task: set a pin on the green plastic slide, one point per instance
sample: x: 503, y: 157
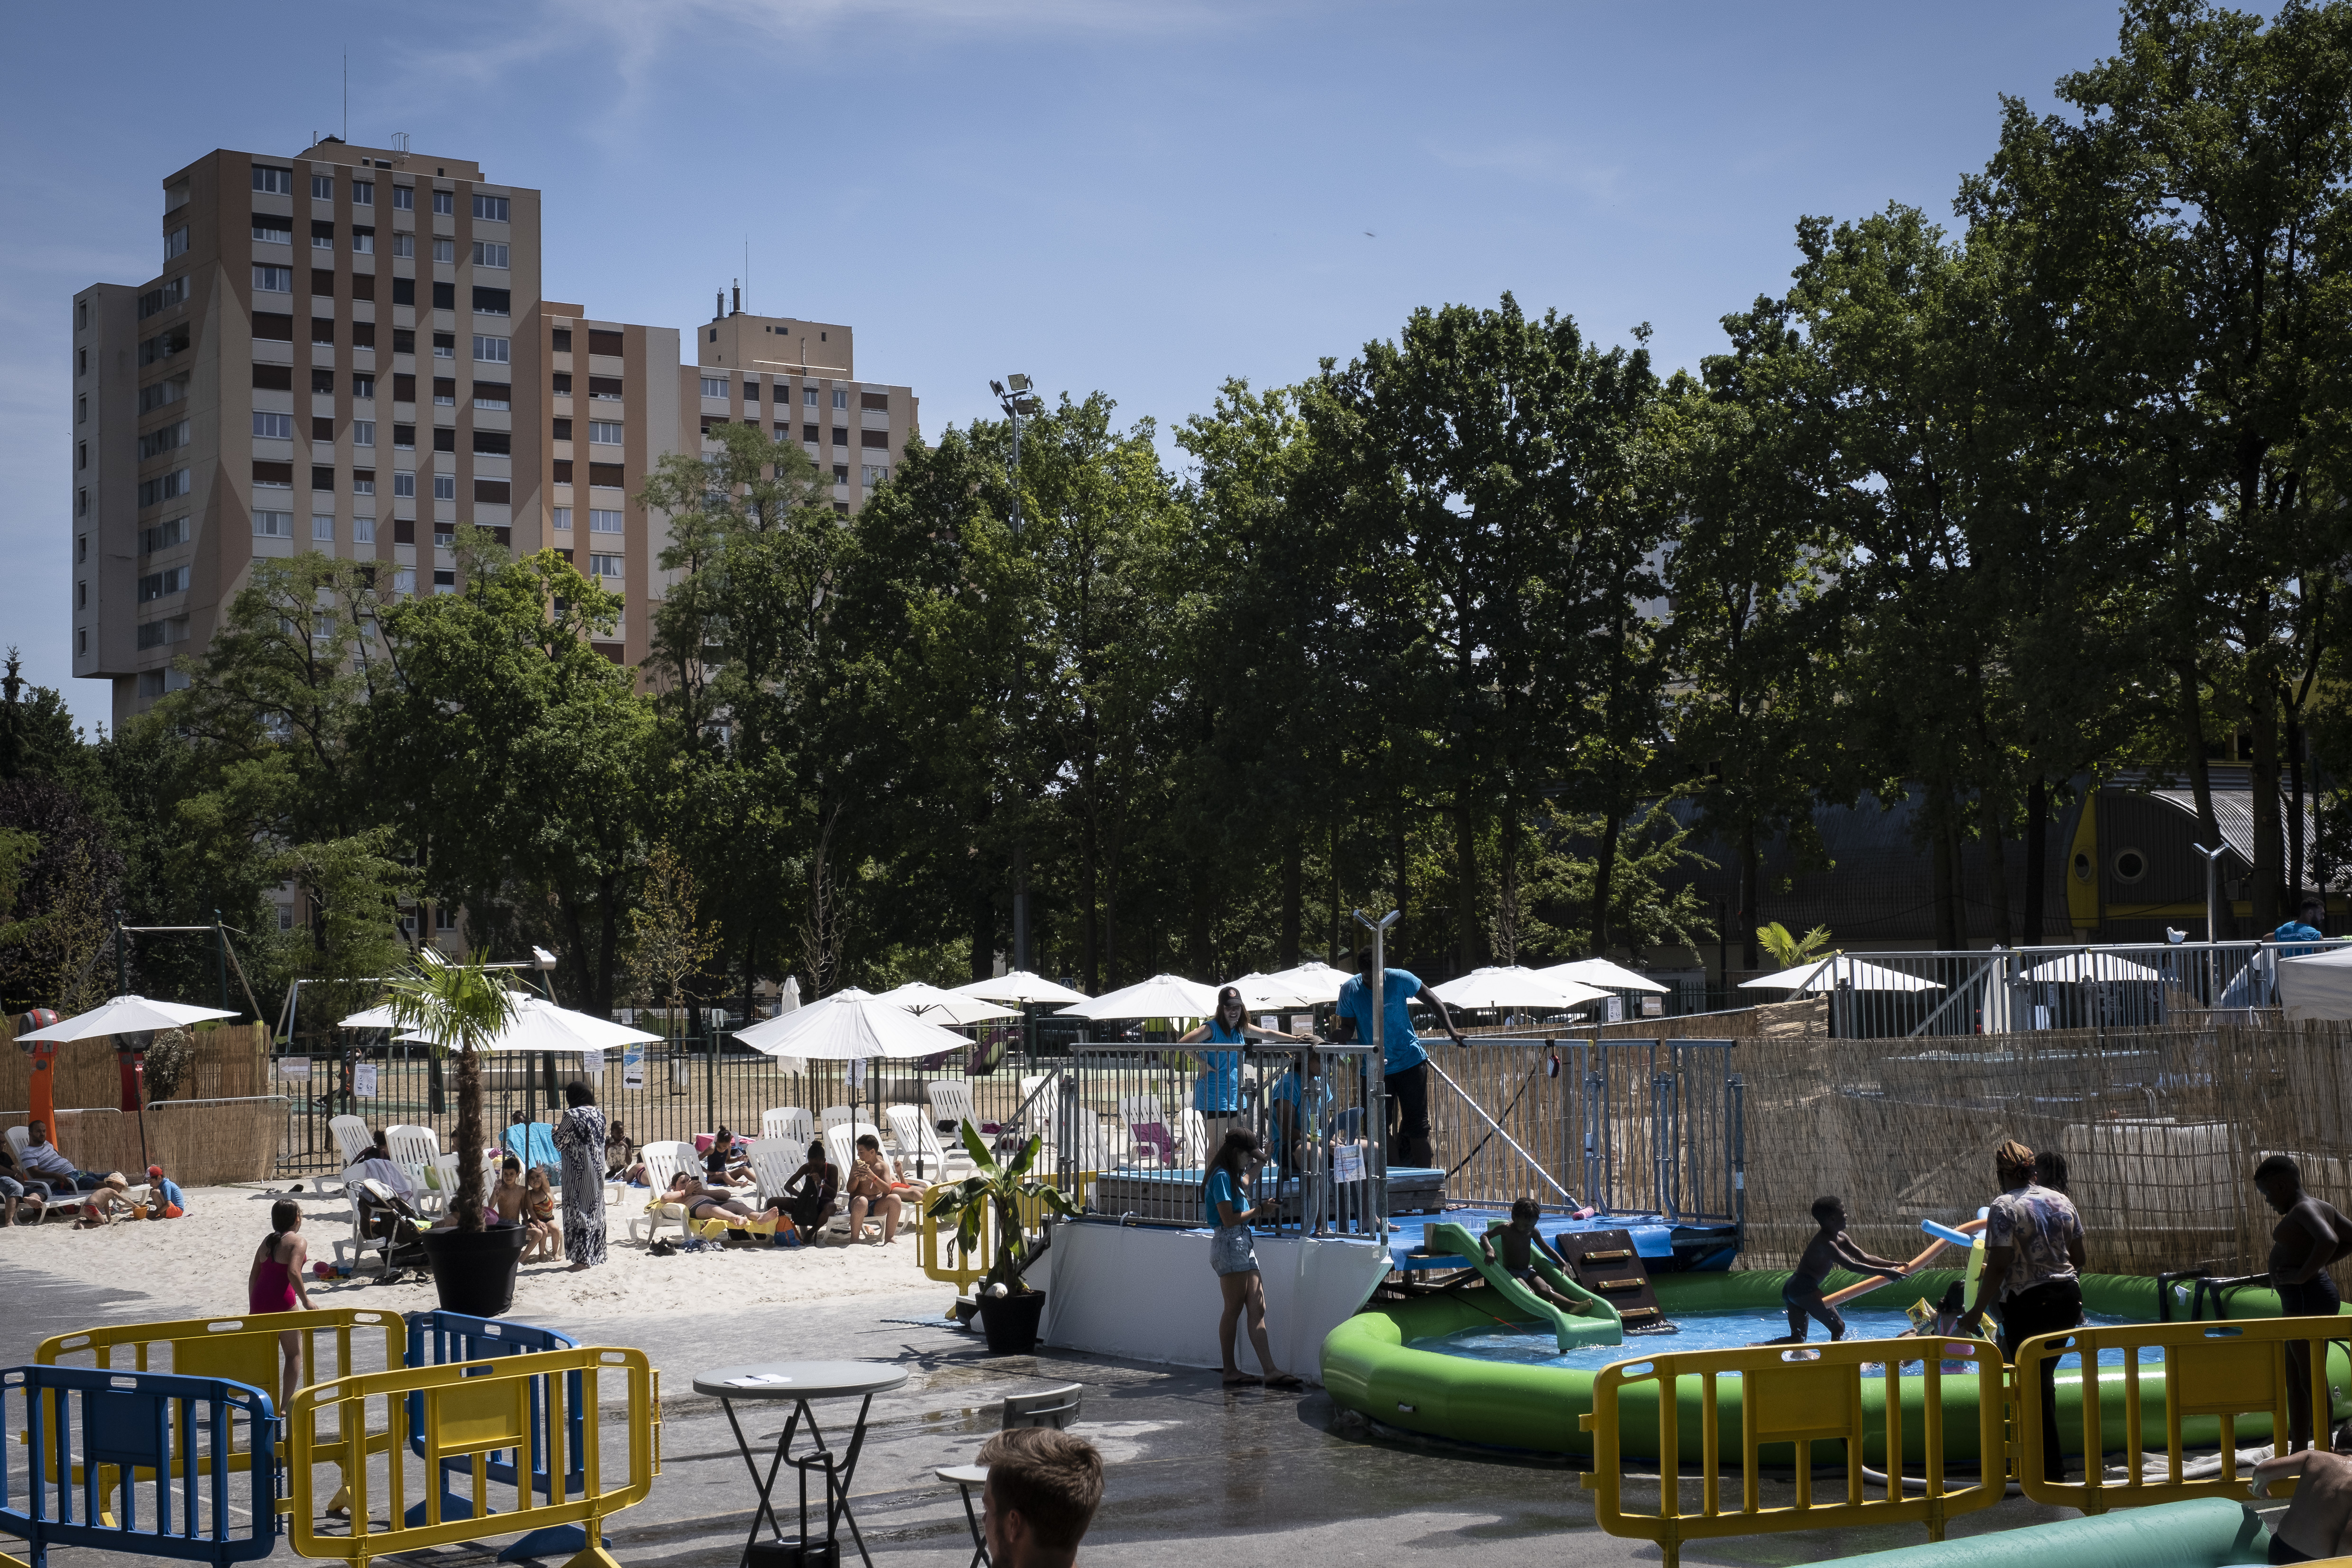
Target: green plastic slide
x: 1601, y: 1326
x: 2203, y: 1532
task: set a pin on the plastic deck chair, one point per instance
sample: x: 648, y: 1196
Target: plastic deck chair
x: 662, y: 1163
x: 790, y: 1124
x: 920, y: 1146
x: 950, y: 1103
x: 834, y: 1116
x: 417, y: 1149
x: 1055, y: 1408
x: 841, y: 1148
x: 353, y: 1143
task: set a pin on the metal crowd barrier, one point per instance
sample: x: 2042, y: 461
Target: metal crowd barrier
x: 2212, y: 1375
x: 439, y: 1339
x: 172, y: 1440
x: 241, y: 1350
x: 460, y: 1415
x: 1790, y: 1398
x: 936, y: 1252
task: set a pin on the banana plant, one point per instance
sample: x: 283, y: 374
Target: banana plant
x: 999, y: 1190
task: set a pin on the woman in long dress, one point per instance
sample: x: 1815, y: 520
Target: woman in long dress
x: 580, y: 1139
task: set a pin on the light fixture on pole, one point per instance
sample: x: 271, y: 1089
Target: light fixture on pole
x: 1013, y: 393
x: 2212, y: 890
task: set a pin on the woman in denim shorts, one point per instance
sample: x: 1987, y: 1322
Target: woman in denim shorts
x: 1234, y: 1255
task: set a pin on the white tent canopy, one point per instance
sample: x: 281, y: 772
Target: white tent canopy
x: 850, y: 1025
x: 1512, y: 987
x: 538, y: 1025
x: 2078, y: 967
x: 1020, y: 988
x: 125, y: 1015
x: 1829, y: 973
x: 2317, y: 985
x: 1601, y: 971
x: 1161, y: 996
x: 930, y: 1003
x: 1314, y: 984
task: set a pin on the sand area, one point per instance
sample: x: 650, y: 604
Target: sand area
x: 198, y: 1265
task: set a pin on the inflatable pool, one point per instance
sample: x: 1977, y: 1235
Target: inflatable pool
x: 1372, y: 1365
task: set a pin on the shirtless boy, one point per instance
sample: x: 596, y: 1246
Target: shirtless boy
x: 2310, y: 1236
x: 1829, y: 1248
x: 2318, y: 1522
x: 1520, y: 1242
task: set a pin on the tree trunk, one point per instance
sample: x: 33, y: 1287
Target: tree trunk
x: 2037, y: 846
x: 1751, y: 873
x: 1197, y: 922
x: 983, y: 933
x: 1604, y: 880
x: 1396, y: 858
x: 1959, y: 883
x: 1294, y: 904
x: 1946, y: 932
x: 1090, y: 915
x: 1338, y: 898
x: 2297, y: 867
x: 1990, y: 813
x: 1466, y: 934
x: 1506, y: 899
x: 468, y: 1199
x: 2270, y: 854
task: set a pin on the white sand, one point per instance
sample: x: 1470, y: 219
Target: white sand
x: 196, y: 1266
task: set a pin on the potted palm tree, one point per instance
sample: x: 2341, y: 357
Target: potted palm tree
x: 1009, y: 1310
x: 459, y: 1007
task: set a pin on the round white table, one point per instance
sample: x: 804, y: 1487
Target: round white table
x: 804, y: 1382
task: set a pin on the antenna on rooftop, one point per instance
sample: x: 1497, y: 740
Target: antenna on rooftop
x: 347, y: 96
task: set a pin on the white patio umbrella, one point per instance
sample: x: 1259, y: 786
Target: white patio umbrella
x: 1020, y: 988
x: 1315, y: 983
x: 1265, y: 991
x: 2076, y: 967
x: 1828, y: 973
x: 1512, y: 987
x: 934, y: 1005
x: 538, y: 1025
x: 1601, y: 971
x: 126, y: 1016
x: 2317, y: 985
x: 850, y: 1025
x: 1161, y: 996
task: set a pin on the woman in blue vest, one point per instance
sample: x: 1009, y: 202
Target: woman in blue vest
x: 1217, y: 1093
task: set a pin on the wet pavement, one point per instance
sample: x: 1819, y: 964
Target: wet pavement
x: 1271, y: 1478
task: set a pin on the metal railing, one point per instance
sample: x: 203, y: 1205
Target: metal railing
x: 1996, y: 990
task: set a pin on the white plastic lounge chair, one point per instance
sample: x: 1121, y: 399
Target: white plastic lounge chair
x: 923, y: 1156
x: 834, y: 1116
x: 788, y: 1124
x: 662, y: 1163
x: 417, y: 1149
x: 352, y: 1143
x: 841, y: 1148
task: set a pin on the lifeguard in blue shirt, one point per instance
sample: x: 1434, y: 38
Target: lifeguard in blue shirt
x: 1404, y: 1063
x: 1217, y: 1092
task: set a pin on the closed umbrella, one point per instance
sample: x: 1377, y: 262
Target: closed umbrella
x: 1601, y: 971
x: 938, y: 1006
x: 1829, y: 973
x: 1161, y: 996
x: 1512, y: 987
x: 1020, y: 988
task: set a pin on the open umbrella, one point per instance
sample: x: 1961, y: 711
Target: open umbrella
x: 1512, y: 987
x: 937, y: 1006
x: 1262, y: 990
x: 1021, y: 988
x: 1601, y: 973
x: 125, y: 1015
x: 850, y: 1025
x: 1161, y: 996
x: 1315, y: 983
x: 2078, y: 967
x: 538, y: 1025
x: 1829, y: 973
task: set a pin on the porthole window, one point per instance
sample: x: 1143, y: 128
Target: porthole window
x: 2081, y: 868
x: 2130, y: 865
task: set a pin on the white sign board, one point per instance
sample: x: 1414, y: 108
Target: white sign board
x: 1348, y: 1162
x: 592, y: 1063
x: 633, y: 1067
x: 295, y: 1068
x: 1616, y: 1013
x: 363, y: 1081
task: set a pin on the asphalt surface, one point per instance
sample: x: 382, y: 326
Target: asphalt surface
x: 1270, y: 1479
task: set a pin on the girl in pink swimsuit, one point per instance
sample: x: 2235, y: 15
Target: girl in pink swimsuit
x: 274, y: 1285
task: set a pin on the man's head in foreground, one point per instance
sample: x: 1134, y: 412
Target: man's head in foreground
x: 1043, y: 1488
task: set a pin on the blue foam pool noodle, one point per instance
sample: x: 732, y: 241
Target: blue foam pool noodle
x: 1946, y: 1233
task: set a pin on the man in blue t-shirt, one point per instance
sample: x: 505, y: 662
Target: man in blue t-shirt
x: 2303, y: 930
x: 1404, y: 1063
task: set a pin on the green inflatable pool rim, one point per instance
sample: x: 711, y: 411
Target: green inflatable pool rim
x: 1370, y: 1366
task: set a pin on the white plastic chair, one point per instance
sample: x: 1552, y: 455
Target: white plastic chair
x: 353, y: 1142
x: 1149, y: 1139
x: 773, y: 1160
x: 1192, y: 1140
x: 662, y: 1163
x: 350, y: 1249
x: 417, y: 1149
x: 950, y: 1101
x: 921, y: 1156
x: 841, y: 1148
x: 834, y: 1116
x: 789, y: 1125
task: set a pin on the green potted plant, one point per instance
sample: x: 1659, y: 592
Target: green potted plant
x: 1010, y: 1312
x: 459, y: 1007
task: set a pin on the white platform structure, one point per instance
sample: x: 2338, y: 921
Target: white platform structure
x: 1148, y: 1294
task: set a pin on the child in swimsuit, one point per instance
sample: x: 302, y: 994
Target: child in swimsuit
x: 274, y: 1284
x: 539, y: 1214
x: 1520, y: 1244
x: 1829, y: 1248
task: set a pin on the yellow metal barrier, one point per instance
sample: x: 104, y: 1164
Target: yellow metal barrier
x: 2212, y: 1374
x: 244, y: 1349
x: 935, y: 1249
x: 471, y: 1410
x: 1790, y: 1397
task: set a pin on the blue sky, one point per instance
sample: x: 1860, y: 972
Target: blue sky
x: 1140, y: 198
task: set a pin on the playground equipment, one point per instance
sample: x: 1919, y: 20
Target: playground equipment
x: 1601, y: 1326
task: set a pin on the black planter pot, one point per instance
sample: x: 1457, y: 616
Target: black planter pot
x: 475, y: 1274
x: 1010, y: 1322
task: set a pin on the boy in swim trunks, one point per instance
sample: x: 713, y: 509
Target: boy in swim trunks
x: 1520, y: 1242
x: 2318, y: 1522
x: 1829, y: 1248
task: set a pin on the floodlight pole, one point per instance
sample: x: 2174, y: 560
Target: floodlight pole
x: 1376, y: 1086
x: 2212, y: 890
x: 1013, y: 396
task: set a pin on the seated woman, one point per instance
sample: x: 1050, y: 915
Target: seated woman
x: 19, y: 1186
x: 813, y: 1193
x: 700, y: 1202
x: 725, y: 1166
x: 874, y: 1188
x: 621, y: 1163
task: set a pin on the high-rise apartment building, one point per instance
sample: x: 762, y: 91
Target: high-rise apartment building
x: 348, y: 351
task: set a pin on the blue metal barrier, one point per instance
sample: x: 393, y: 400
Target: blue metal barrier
x: 439, y: 1339
x: 90, y: 1429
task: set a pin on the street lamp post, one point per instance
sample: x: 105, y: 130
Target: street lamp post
x: 1015, y: 395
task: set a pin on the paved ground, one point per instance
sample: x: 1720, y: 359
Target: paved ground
x: 1272, y: 1479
